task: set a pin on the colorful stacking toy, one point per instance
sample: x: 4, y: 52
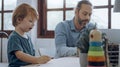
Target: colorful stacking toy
x: 96, y: 57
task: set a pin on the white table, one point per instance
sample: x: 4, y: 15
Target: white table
x: 60, y: 62
x: 3, y: 64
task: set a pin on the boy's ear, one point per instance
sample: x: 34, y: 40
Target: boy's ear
x: 19, y: 20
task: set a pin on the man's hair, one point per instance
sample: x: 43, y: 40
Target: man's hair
x: 22, y: 11
x: 83, y: 2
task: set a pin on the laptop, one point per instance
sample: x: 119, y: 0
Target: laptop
x: 112, y: 34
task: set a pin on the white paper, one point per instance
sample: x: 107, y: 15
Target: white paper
x: 60, y: 62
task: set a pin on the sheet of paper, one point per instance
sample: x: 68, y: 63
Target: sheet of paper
x: 3, y: 64
x: 61, y: 62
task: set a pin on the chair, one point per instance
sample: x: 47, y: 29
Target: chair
x: 111, y: 53
x: 3, y: 36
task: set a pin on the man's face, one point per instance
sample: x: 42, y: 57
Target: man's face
x: 84, y: 14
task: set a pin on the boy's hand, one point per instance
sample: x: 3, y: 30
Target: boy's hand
x: 43, y: 59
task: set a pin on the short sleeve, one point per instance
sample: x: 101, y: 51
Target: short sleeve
x: 14, y: 45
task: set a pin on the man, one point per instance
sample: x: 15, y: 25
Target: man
x: 68, y: 33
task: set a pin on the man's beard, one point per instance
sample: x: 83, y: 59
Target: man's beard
x: 81, y: 21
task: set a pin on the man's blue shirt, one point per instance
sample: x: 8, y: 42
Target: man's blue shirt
x: 66, y: 38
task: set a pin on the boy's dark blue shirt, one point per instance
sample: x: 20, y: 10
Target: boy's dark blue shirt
x: 18, y: 43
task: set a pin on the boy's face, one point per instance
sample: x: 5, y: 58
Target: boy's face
x: 27, y: 23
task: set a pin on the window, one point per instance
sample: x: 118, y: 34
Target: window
x: 52, y: 13
x: 103, y: 14
x: 6, y: 15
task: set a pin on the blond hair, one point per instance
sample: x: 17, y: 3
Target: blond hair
x: 22, y: 11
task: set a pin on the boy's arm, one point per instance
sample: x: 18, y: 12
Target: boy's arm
x: 31, y: 59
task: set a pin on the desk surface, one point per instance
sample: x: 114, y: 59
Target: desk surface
x: 61, y: 62
x: 3, y: 64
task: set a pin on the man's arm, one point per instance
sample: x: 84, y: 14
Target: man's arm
x: 60, y: 41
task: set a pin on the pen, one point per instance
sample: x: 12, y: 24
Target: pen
x: 39, y: 52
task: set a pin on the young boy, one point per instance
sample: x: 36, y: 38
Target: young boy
x: 20, y: 48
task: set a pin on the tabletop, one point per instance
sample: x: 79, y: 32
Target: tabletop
x: 3, y: 64
x: 60, y: 62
